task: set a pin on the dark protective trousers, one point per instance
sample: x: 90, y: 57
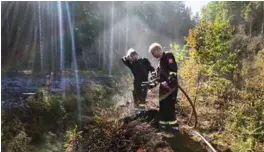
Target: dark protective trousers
x: 139, y: 94
x: 167, y: 108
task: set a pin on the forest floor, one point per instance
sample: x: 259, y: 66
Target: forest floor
x: 145, y: 124
x: 137, y: 130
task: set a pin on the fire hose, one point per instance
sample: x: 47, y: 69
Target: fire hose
x: 155, y: 81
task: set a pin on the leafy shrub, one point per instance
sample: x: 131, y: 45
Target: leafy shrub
x: 20, y: 143
x: 73, y: 139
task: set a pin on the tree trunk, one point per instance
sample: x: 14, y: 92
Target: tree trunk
x: 126, y: 27
x: 119, y: 36
x: 99, y: 51
x: 262, y: 26
x: 104, y: 41
x: 36, y: 66
x: 111, y: 48
x: 52, y: 40
x: 250, y: 27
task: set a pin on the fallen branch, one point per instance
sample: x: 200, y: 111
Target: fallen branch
x: 194, y: 132
x: 208, y: 144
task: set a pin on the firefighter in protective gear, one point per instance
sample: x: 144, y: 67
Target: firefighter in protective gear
x: 168, y: 86
x: 140, y: 67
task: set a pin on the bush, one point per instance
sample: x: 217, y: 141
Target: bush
x: 45, y: 113
x: 20, y: 143
x: 73, y: 139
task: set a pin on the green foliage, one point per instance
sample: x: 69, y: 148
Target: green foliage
x: 250, y: 10
x: 247, y: 14
x: 222, y: 62
x: 253, y: 72
x: 179, y: 54
x: 215, y: 49
x: 72, y: 140
x: 210, y: 42
x: 245, y: 122
x: 20, y: 143
x: 47, y: 109
x: 96, y: 92
x: 216, y: 89
x: 46, y: 116
x: 44, y: 113
x: 10, y: 131
x: 212, y: 11
x: 246, y: 119
x: 52, y: 143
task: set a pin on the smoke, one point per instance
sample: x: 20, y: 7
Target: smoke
x: 139, y: 34
x: 104, y: 31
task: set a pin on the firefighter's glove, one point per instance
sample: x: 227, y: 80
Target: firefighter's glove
x: 153, y: 75
x: 172, y: 80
